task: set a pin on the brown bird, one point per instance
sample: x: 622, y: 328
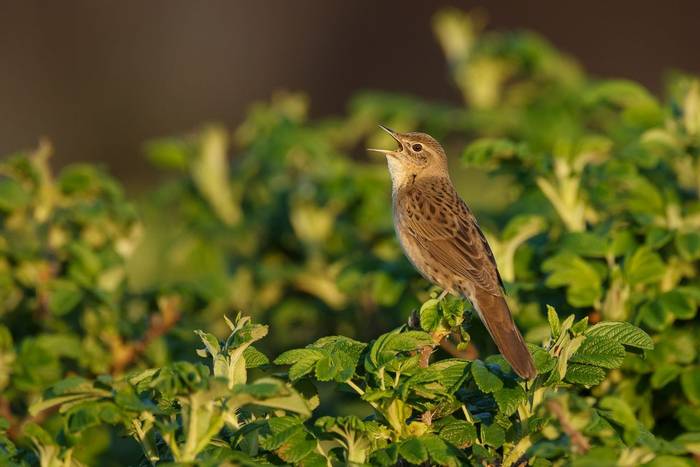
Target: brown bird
x: 442, y: 238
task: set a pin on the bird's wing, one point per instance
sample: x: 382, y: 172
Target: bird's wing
x: 435, y: 216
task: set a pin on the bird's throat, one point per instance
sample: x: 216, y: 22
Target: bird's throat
x: 400, y: 175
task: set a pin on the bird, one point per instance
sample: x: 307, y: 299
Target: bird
x: 442, y: 239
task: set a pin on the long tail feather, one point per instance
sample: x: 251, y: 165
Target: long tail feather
x: 495, y: 314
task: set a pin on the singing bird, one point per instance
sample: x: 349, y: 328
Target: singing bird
x: 442, y: 238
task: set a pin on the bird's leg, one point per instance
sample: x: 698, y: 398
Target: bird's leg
x: 442, y: 295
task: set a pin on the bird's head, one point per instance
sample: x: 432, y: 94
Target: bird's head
x: 418, y: 155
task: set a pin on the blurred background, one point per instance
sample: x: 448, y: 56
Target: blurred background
x: 100, y: 78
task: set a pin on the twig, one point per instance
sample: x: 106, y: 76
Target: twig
x: 126, y: 353
x: 579, y: 441
x: 17, y: 424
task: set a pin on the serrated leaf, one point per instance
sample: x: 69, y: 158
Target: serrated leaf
x: 293, y: 356
x: 484, y: 379
x: 460, y: 433
x: 599, y: 351
x: 625, y: 333
x: 509, y: 399
x: 254, y: 358
x: 439, y: 452
x: 303, y: 361
x: 408, y: 341
x: 413, y: 451
x: 326, y: 368
x: 585, y: 375
x: 493, y: 435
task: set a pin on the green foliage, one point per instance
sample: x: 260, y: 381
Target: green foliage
x: 442, y: 412
x: 588, y: 193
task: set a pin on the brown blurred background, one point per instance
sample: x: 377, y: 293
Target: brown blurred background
x: 100, y: 78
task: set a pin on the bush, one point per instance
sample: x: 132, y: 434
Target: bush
x: 587, y: 190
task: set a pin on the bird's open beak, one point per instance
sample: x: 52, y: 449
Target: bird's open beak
x: 387, y: 151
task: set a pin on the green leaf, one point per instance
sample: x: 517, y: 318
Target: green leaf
x: 582, y: 281
x: 599, y: 351
x: 644, y: 267
x: 211, y: 343
x: 413, y: 451
x: 487, y: 151
x: 12, y: 195
x: 509, y: 398
x: 544, y: 361
x: 493, y: 435
x: 429, y: 315
x: 303, y: 361
x: 679, y: 304
x: 326, y: 368
x: 618, y: 411
x: 83, y: 417
x: 408, y: 341
x: 688, y: 245
x: 585, y: 244
x: 453, y: 373
x: 690, y: 382
x: 64, y: 296
x: 625, y: 333
x: 439, y: 452
x: 664, y: 375
x: 388, y: 456
x: 487, y: 381
x: 254, y: 358
x: 585, y: 375
x: 670, y: 461
x: 656, y: 316
x: 554, y: 323
x: 580, y: 326
x: 460, y: 433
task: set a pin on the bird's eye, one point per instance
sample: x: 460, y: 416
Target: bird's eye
x: 417, y: 147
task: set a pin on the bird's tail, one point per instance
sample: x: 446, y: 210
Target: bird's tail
x: 495, y: 315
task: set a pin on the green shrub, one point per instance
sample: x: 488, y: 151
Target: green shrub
x: 587, y: 190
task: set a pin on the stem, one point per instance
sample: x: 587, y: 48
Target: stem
x: 148, y: 449
x: 517, y: 451
x: 579, y: 441
x: 357, y: 388
x: 361, y: 392
x: 467, y: 415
